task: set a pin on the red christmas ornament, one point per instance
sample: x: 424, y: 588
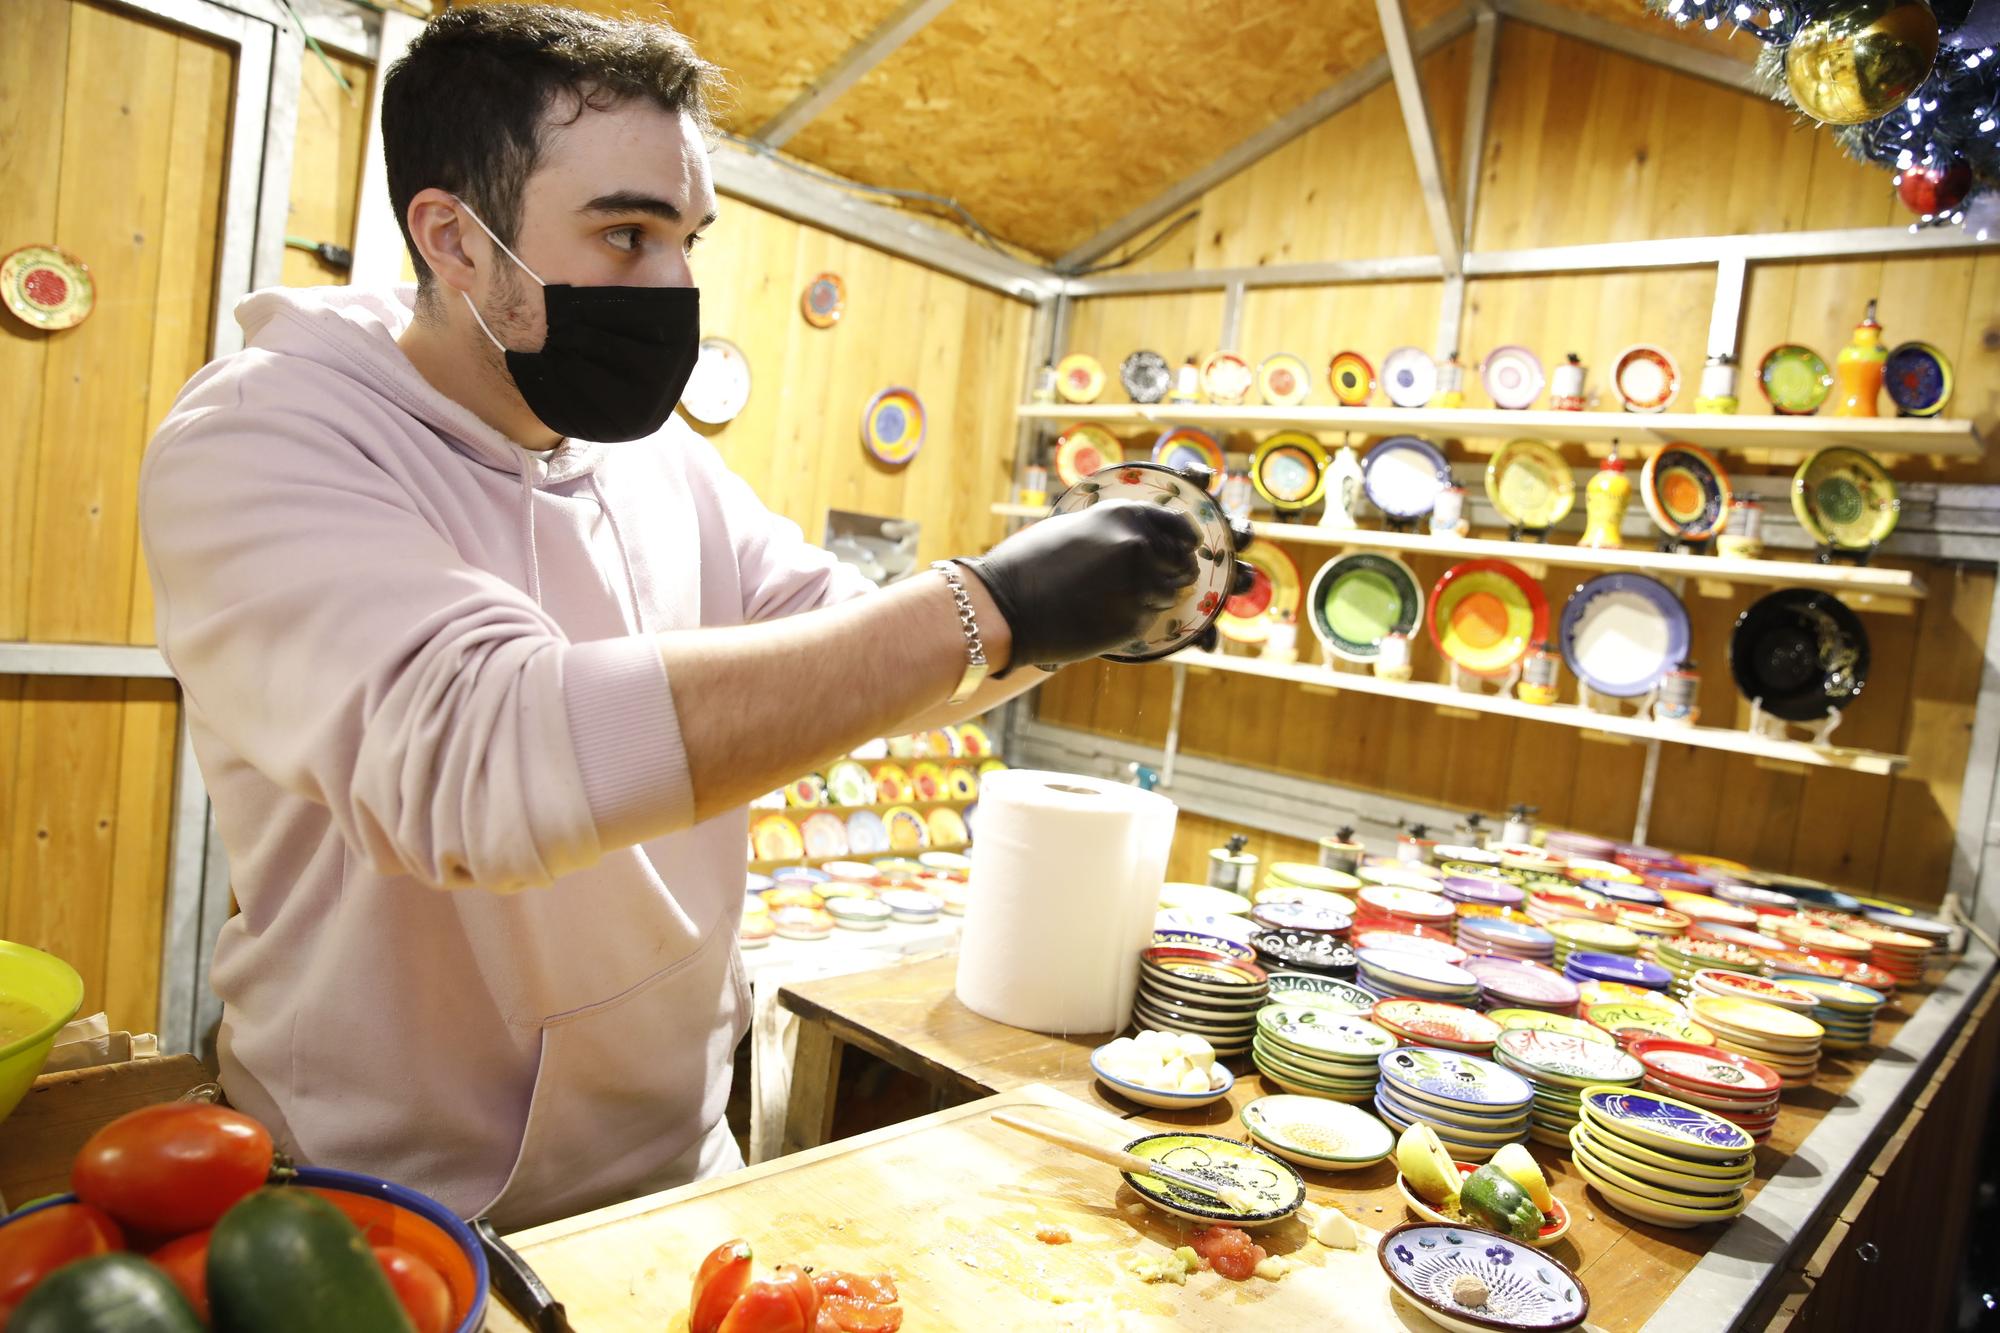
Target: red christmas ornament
x: 1928, y: 191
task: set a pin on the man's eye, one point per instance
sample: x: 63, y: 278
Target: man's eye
x: 693, y: 240
x: 628, y: 238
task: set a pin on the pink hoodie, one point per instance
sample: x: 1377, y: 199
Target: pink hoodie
x: 415, y: 659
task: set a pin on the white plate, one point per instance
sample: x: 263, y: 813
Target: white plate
x: 1403, y: 476
x: 1409, y: 377
x: 1202, y: 898
x: 1513, y: 377
x: 720, y: 385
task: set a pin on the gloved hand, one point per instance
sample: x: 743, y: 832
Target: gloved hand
x: 1242, y: 578
x: 1078, y: 585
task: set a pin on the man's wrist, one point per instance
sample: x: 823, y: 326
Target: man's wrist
x: 995, y: 635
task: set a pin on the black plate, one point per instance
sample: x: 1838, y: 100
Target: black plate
x: 1304, y: 951
x: 1146, y: 376
x: 1802, y: 652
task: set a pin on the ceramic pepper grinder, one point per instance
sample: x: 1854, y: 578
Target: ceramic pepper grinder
x: 1187, y: 384
x: 1448, y: 514
x: 1566, y: 385
x: 1858, y: 373
x: 1451, y: 383
x: 1540, y: 675
x: 1343, y: 490
x: 1045, y: 383
x: 1718, y: 386
x: 1604, y: 499
x: 1680, y: 696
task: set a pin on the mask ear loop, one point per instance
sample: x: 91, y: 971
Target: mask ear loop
x: 469, y: 304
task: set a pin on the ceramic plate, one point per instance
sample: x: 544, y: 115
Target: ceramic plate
x: 1647, y: 1020
x: 1289, y: 470
x: 1424, y: 1020
x: 1565, y: 1060
x: 1185, y: 446
x: 1409, y: 377
x: 1800, y: 651
x: 776, y: 838
x: 1085, y: 449
x: 1513, y: 377
x: 1276, y: 1185
x: 1201, y: 601
x: 1665, y: 1124
x: 1159, y: 1098
x: 1794, y: 379
x: 1541, y: 1020
x: 823, y: 300
x: 1079, y: 378
x: 893, y: 426
x: 1312, y: 1131
x: 1325, y: 1033
x: 825, y: 834
x: 1686, y: 491
x: 1646, y: 378
x: 1844, y: 499
x: 1530, y: 485
x: 1203, y: 898
x: 1756, y: 1018
x: 1403, y: 475
x: 892, y: 784
x: 947, y: 828
x: 1283, y: 380
x: 1918, y: 379
x: 1353, y: 379
x: 1174, y: 938
x: 848, y: 783
x: 1649, y: 1210
x: 867, y: 835
x: 1622, y: 633
x: 1273, y: 595
x: 907, y: 830
x: 1359, y: 598
x: 1524, y: 1289
x: 1146, y: 377
x: 1413, y: 969
x: 1456, y: 1078
x: 1225, y: 378
x: 1485, y: 614
x: 1325, y: 993
x: 961, y: 782
x: 1713, y: 1071
x: 1554, y: 1228
x: 720, y: 386
x: 1310, y: 875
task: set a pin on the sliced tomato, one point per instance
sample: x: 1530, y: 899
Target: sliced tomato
x: 1229, y: 1251
x: 848, y: 1314
x: 172, y: 1168
x: 803, y: 1291
x: 722, y: 1277
x: 185, y: 1260
x: 35, y: 1245
x: 875, y: 1289
x: 423, y: 1294
x: 768, y: 1305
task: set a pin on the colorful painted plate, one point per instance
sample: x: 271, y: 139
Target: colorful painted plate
x: 1359, y: 598
x: 1486, y: 614
x: 1276, y: 1186
x: 867, y: 835
x: 1665, y: 1124
x: 1524, y: 1289
x: 825, y: 834
x: 1084, y: 450
x: 1454, y: 1078
x: 961, y: 782
x: 1642, y: 1019
x: 848, y: 782
x: 1409, y: 377
x: 1289, y: 470
x: 1731, y: 1014
x: 1431, y: 1020
x: 776, y: 838
x: 1570, y: 1062
x: 720, y: 386
x: 1794, y: 379
x: 1801, y: 652
x: 973, y: 742
x: 1195, y: 939
x: 1185, y: 446
x: 1513, y: 377
x: 1329, y: 993
x: 1713, y: 1071
x: 1273, y: 595
x: 1530, y: 485
x: 1079, y: 378
x: 1225, y: 378
x: 947, y: 828
x: 47, y: 287
x: 893, y: 426
x: 1201, y: 601
x: 823, y: 300
x: 1622, y: 633
x: 1283, y: 380
x: 1352, y: 378
x: 1918, y: 379
x: 927, y: 779
x: 1686, y: 491
x: 1844, y: 499
x: 907, y: 830
x: 1541, y: 1020
x: 1324, y: 1033
x: 1146, y: 376
x: 892, y: 784
x: 1646, y: 378
x: 1314, y: 1132
x: 1403, y: 475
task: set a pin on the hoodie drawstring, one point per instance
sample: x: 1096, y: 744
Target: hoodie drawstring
x: 624, y: 556
x: 529, y: 461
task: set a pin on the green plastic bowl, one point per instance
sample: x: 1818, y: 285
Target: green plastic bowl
x: 48, y: 985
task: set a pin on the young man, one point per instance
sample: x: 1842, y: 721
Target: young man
x: 457, y: 605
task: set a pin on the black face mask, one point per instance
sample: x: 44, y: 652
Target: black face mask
x: 615, y: 360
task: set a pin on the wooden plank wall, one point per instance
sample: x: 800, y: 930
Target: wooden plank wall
x: 1584, y: 145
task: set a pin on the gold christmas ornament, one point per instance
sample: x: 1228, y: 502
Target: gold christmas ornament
x: 1856, y: 61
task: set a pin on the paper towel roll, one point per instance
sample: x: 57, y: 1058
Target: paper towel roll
x: 1066, y: 876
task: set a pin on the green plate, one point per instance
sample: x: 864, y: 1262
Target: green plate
x: 1530, y: 484
x: 1844, y: 499
x: 1795, y: 379
x: 1358, y: 599
x: 1324, y: 1033
x: 1314, y: 1132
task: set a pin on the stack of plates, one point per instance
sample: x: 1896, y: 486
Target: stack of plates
x: 1712, y: 911
x: 1661, y: 1159
x: 1550, y: 903
x: 1592, y: 936
x: 1315, y: 951
x: 1541, y: 1020
x: 1314, y: 915
x: 1616, y: 967
x: 1319, y: 992
x: 1755, y: 897
x: 1617, y: 992
x: 1634, y: 1020
x: 1429, y: 943
x: 1485, y: 890
x: 1307, y: 875
x: 1505, y: 939
x: 1338, y: 904
x: 1515, y: 983
x: 1720, y: 981
x: 1475, y: 1106
x: 1653, y: 924
x: 801, y: 923
x: 1939, y: 933
x: 1319, y: 1051
x: 1625, y: 894
x: 1228, y: 927
x: 1586, y: 869
x: 1398, y: 907
x: 1806, y: 937
x: 1897, y: 952
x: 1314, y: 1132
x: 1735, y: 1087
x: 1646, y: 860
x: 1202, y: 898
x: 1450, y: 1027
x: 1805, y: 964
x: 1559, y: 1068
x: 1741, y: 936
x: 1869, y: 975
x: 1846, y: 1010
x: 858, y: 913
x: 1788, y: 1042
x: 1572, y: 846
x: 914, y: 906
x: 1684, y: 958
x: 1392, y: 974
x: 1203, y: 992
x: 1678, y: 881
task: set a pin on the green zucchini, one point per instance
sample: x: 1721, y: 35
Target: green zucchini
x: 1491, y: 1198
x: 287, y: 1261
x: 107, y: 1293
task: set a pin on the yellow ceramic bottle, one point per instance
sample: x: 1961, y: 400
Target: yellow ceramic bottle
x: 1858, y: 374
x: 1604, y: 500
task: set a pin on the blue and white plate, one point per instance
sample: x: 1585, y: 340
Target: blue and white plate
x: 1300, y: 916
x: 1622, y: 633
x: 1426, y: 1073
x: 867, y: 835
x: 1918, y: 379
x: 1320, y: 992
x: 1524, y: 1288
x: 1409, y: 376
x: 1665, y: 1125
x: 1195, y: 939
x: 1427, y: 974
x: 1236, y: 928
x: 1403, y: 475
x: 1587, y: 966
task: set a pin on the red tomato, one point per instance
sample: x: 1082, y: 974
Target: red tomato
x: 879, y: 1289
x: 173, y: 1168
x: 1229, y: 1251
x: 770, y: 1305
x: 717, y: 1283
x: 803, y: 1292
x: 423, y: 1293
x: 185, y: 1260
x: 846, y: 1314
x: 33, y: 1246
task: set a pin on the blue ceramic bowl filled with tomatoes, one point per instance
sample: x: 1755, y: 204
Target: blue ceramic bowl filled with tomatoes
x: 179, y: 1223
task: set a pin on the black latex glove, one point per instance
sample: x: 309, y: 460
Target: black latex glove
x: 1078, y: 585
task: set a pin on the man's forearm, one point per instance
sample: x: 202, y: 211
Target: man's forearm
x: 989, y: 696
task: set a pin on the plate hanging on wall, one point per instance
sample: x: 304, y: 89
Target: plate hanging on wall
x: 1225, y: 378
x: 1283, y: 380
x: 1146, y: 376
x: 47, y: 287
x: 1409, y: 377
x: 1800, y: 651
x: 823, y: 300
x: 1273, y: 595
x: 825, y: 834
x: 1622, y: 633
x: 776, y: 838
x: 1513, y: 377
x: 1184, y: 446
x: 1646, y: 378
x: 1289, y: 470
x: 1352, y: 378
x: 1918, y: 379
x: 1403, y: 475
x: 1530, y: 485
x: 1844, y: 499
x: 1686, y: 491
x: 893, y: 426
x: 1794, y: 379
x: 1086, y: 448
x: 720, y: 386
x: 1486, y: 614
x: 1079, y: 378
x: 1358, y: 599
x: 867, y: 835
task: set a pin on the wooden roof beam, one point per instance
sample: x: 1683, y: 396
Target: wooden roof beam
x: 1654, y: 50
x: 1402, y: 54
x: 907, y: 21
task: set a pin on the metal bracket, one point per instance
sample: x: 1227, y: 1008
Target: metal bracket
x: 889, y: 35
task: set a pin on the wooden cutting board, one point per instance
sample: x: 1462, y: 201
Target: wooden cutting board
x: 949, y: 1204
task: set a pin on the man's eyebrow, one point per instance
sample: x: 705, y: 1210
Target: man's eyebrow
x: 632, y: 201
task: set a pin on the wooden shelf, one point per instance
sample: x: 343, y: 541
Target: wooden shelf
x: 1563, y: 715
x: 1861, y: 584
x: 766, y: 867
x: 1879, y: 435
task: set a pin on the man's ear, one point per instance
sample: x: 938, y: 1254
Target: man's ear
x: 437, y: 228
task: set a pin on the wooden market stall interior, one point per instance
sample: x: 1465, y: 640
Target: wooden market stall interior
x: 1286, y: 176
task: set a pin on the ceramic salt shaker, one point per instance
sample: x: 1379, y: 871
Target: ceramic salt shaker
x: 1392, y: 656
x: 1566, y: 385
x: 1448, y: 513
x: 1718, y: 386
x: 1680, y: 694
